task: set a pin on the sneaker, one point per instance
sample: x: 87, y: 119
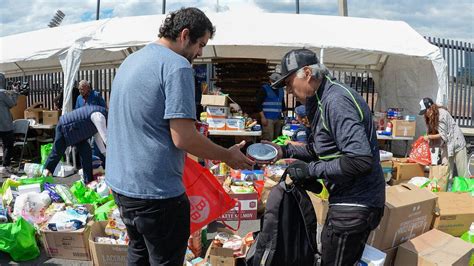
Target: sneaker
x: 6, y: 171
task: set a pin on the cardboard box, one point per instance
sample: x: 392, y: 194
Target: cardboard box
x: 390, y: 258
x: 105, y: 254
x: 72, y: 245
x: 456, y: 212
x: 216, y: 123
x: 403, y: 128
x: 18, y: 111
x: 403, y: 170
x: 408, y: 213
x: 386, y: 164
x: 434, y: 248
x: 50, y: 117
x: 235, y: 124
x: 217, y: 111
x: 221, y: 257
x: 394, y: 182
x: 216, y: 100
x: 248, y: 207
x: 34, y: 113
x: 320, y: 206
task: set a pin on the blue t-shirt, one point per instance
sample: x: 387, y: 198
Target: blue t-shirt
x: 94, y: 98
x: 151, y: 87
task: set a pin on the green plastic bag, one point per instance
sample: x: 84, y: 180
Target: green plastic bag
x: 37, y: 180
x: 463, y: 184
x: 45, y: 151
x: 83, y: 194
x: 18, y: 239
x: 101, y: 212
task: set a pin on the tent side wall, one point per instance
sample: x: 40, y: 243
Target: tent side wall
x: 404, y: 81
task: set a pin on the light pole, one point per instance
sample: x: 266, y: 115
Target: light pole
x: 297, y: 6
x: 98, y: 10
x: 163, y: 7
x: 342, y: 8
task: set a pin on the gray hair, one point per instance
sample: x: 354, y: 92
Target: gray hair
x: 318, y: 71
x: 84, y: 83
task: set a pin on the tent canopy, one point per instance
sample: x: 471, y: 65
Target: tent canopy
x: 405, y: 66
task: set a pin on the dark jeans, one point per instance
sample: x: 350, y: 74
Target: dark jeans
x: 59, y: 147
x: 158, y: 229
x: 8, y: 138
x: 345, y: 233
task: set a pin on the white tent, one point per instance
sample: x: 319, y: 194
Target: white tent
x: 405, y: 66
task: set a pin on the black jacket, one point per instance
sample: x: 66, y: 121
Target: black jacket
x: 342, y: 148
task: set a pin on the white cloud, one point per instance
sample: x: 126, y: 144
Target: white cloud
x: 452, y: 19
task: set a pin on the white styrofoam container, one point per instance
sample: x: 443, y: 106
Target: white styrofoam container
x: 372, y: 257
x: 23, y: 189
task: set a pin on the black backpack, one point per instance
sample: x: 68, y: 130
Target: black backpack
x: 288, y: 229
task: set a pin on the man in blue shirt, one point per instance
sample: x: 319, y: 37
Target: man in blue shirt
x: 88, y: 96
x: 151, y: 127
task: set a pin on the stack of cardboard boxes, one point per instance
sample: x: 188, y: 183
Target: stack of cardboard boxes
x: 218, y: 114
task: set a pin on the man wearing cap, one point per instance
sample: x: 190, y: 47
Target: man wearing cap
x: 342, y: 151
x: 270, y: 105
x: 8, y: 99
x: 444, y: 133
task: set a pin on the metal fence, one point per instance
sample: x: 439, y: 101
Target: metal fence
x: 459, y: 57
x: 45, y: 87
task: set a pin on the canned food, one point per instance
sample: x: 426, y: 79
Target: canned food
x: 203, y: 128
x: 262, y: 153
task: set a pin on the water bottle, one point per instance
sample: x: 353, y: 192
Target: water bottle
x: 3, y: 214
x: 469, y: 237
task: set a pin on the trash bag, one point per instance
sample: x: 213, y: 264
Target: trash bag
x: 18, y: 239
x: 420, y: 152
x: 45, y: 151
x: 463, y: 184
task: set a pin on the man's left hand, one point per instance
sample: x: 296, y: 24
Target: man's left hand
x: 298, y: 171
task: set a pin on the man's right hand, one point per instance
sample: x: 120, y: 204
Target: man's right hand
x: 238, y: 160
x: 280, y: 151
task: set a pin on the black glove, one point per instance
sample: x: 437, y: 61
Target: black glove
x: 299, y: 173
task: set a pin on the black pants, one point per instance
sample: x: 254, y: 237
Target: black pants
x: 158, y: 229
x: 8, y: 138
x: 345, y: 233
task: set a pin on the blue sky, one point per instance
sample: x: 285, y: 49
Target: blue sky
x: 453, y: 19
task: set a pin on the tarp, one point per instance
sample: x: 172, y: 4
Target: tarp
x: 405, y: 66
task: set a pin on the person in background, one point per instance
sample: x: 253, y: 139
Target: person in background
x: 74, y: 129
x: 58, y: 100
x: 8, y: 100
x: 342, y: 150
x: 270, y: 105
x: 151, y: 128
x: 300, y: 136
x: 88, y: 96
x: 444, y: 132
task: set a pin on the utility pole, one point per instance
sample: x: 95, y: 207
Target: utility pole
x: 342, y: 8
x: 297, y: 6
x: 98, y: 10
x: 163, y: 7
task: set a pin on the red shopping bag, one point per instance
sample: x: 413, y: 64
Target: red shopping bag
x: 420, y: 152
x: 208, y: 200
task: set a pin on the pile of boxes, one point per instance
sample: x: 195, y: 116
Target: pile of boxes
x: 42, y: 116
x: 218, y: 114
